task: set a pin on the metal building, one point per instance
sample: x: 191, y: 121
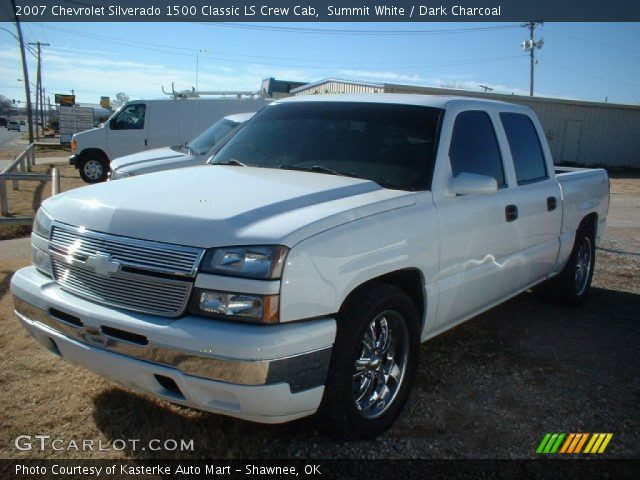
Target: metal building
x: 579, y: 133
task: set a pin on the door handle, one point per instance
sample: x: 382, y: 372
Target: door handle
x: 511, y: 213
x: 145, y: 142
x: 552, y: 203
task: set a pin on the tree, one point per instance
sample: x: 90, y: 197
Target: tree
x: 121, y: 99
x: 6, y: 106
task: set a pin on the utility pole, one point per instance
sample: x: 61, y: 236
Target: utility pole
x: 39, y: 92
x: 25, y: 73
x: 531, y: 45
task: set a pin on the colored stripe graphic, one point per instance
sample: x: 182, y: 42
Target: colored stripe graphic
x: 567, y: 443
x: 581, y: 443
x: 573, y: 443
x: 605, y: 442
x: 543, y: 443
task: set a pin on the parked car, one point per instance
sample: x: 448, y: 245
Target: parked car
x: 13, y: 126
x: 299, y: 271
x: 148, y: 124
x: 3, y: 122
x: 196, y: 152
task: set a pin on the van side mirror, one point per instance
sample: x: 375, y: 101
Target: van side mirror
x: 467, y: 183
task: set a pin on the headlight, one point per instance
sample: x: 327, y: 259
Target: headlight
x: 260, y: 262
x: 42, y: 224
x: 117, y: 174
x: 236, y: 306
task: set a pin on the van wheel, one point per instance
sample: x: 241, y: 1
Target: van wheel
x: 373, y: 363
x: 571, y: 286
x: 93, y: 169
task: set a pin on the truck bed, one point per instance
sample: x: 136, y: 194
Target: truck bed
x: 583, y: 190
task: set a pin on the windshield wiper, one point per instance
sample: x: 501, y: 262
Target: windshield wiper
x: 180, y: 148
x: 233, y: 162
x: 318, y: 169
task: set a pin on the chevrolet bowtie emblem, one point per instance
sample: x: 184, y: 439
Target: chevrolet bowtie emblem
x: 102, y: 264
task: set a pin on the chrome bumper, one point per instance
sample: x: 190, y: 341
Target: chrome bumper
x: 301, y: 372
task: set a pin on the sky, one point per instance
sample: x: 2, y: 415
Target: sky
x: 586, y: 61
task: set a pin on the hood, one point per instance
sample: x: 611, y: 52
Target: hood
x: 135, y: 159
x: 215, y: 205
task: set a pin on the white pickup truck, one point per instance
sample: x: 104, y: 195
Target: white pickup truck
x: 300, y: 270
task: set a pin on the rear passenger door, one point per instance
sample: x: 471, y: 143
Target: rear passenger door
x: 478, y: 243
x: 537, y: 197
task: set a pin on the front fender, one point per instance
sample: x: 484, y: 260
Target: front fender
x: 321, y: 271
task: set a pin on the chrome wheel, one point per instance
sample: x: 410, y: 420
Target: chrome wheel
x: 583, y: 266
x: 381, y: 364
x: 93, y: 169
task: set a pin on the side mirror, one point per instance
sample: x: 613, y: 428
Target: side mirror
x: 467, y: 183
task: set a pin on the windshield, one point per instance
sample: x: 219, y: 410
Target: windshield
x: 211, y: 136
x: 392, y: 145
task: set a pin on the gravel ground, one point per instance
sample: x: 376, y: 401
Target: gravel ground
x: 490, y: 388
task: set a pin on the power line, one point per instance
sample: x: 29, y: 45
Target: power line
x: 585, y: 74
x: 593, y: 42
x: 210, y: 54
x: 27, y: 47
x: 376, y: 32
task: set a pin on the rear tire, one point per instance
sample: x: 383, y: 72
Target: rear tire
x: 93, y: 169
x: 373, y: 363
x: 571, y: 286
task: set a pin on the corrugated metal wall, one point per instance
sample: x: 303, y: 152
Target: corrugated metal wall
x: 340, y: 87
x: 606, y: 136
x: 580, y: 133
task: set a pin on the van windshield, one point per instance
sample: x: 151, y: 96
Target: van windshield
x: 390, y: 144
x: 211, y: 136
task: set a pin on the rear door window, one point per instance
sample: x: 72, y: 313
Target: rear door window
x: 528, y: 158
x: 474, y: 147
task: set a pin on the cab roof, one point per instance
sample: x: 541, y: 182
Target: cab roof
x: 435, y: 101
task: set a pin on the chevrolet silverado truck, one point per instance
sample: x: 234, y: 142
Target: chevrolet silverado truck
x: 299, y: 271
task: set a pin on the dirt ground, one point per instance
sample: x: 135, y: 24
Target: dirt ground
x: 490, y: 388
x: 25, y: 201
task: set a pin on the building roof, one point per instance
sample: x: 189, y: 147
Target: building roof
x: 466, y: 93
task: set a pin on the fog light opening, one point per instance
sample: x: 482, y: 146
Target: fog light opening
x: 170, y: 386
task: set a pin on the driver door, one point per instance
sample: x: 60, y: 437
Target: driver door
x: 128, y: 130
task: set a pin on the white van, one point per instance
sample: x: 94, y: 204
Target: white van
x: 196, y: 152
x: 145, y: 124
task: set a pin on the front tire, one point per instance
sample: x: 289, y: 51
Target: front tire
x: 373, y: 363
x: 93, y: 169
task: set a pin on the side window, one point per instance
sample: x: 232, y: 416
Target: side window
x: 130, y: 117
x: 474, y: 146
x: 528, y: 159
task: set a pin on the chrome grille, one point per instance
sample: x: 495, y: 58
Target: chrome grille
x: 144, y: 276
x: 152, y: 256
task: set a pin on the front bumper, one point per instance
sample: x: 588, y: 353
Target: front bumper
x: 268, y: 374
x: 74, y: 160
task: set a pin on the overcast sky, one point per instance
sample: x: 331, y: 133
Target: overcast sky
x: 588, y: 61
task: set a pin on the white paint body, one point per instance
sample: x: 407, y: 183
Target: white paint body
x: 342, y: 232
x: 167, y: 122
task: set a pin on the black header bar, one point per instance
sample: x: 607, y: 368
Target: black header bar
x: 320, y: 11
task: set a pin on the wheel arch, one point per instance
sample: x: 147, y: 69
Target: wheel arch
x: 410, y: 280
x: 88, y: 152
